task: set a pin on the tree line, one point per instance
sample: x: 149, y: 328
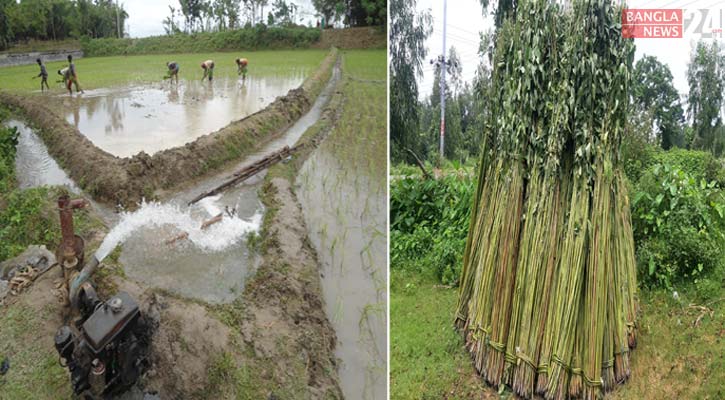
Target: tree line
x: 657, y: 114
x: 59, y: 19
x: 191, y: 16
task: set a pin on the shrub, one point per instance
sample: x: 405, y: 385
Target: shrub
x: 429, y: 223
x: 23, y: 217
x: 248, y: 38
x: 679, y: 224
x: 25, y: 220
x: 640, y: 156
x: 8, y: 141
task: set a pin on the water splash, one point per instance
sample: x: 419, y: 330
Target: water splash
x: 214, y: 238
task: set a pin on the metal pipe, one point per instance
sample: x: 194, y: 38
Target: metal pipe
x: 443, y: 84
x: 88, y: 270
x: 65, y: 209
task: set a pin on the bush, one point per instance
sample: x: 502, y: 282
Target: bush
x: 639, y: 156
x: 678, y: 222
x: 25, y: 220
x: 8, y: 141
x: 249, y: 38
x: 429, y: 223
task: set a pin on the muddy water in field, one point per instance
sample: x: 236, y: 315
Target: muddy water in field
x: 126, y: 121
x: 211, y: 264
x: 345, y: 212
x: 34, y: 167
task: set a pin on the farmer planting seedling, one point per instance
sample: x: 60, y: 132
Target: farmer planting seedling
x: 65, y: 76
x: 242, y: 67
x: 173, y: 71
x: 208, y: 67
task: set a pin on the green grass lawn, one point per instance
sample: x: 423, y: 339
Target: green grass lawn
x: 96, y: 72
x: 674, y: 359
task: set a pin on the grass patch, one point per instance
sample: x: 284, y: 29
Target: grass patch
x: 674, y: 359
x: 427, y: 357
x: 34, y: 370
x: 96, y: 72
x: 229, y: 380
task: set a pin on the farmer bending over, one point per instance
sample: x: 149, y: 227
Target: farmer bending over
x: 208, y: 67
x: 43, y: 74
x: 73, y: 76
x: 65, y: 74
x: 173, y: 71
x: 242, y: 67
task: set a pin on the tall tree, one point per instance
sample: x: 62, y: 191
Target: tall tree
x: 353, y: 12
x: 504, y: 9
x: 408, y: 32
x: 706, y: 78
x: 654, y: 94
x: 6, y: 32
x: 282, y: 13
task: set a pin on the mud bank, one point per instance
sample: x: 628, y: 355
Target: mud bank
x: 125, y: 181
x: 30, y: 57
x: 353, y: 38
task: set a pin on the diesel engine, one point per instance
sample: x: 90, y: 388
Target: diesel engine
x: 106, y: 349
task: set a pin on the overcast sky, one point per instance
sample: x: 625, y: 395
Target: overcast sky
x: 465, y: 21
x: 145, y: 16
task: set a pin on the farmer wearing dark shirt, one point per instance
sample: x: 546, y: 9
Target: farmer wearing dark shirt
x: 43, y: 74
x: 173, y: 71
x: 73, y: 76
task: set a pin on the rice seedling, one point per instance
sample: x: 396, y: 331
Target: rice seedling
x: 547, y: 298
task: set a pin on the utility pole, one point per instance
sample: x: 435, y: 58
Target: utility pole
x: 442, y: 64
x: 443, y: 82
x: 118, y: 24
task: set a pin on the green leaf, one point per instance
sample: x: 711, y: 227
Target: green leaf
x: 651, y: 266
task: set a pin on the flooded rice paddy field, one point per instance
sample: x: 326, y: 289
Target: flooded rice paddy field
x: 342, y: 190
x: 150, y: 118
x: 190, y: 267
x: 209, y: 264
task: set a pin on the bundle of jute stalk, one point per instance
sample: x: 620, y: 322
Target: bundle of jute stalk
x: 547, y: 299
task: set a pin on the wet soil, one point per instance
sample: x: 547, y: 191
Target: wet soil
x: 346, y: 215
x: 126, y: 121
x: 342, y: 192
x: 284, y: 309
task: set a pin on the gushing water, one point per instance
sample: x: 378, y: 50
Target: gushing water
x: 214, y: 238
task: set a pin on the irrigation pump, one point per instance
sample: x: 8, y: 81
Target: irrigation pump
x: 107, y: 349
